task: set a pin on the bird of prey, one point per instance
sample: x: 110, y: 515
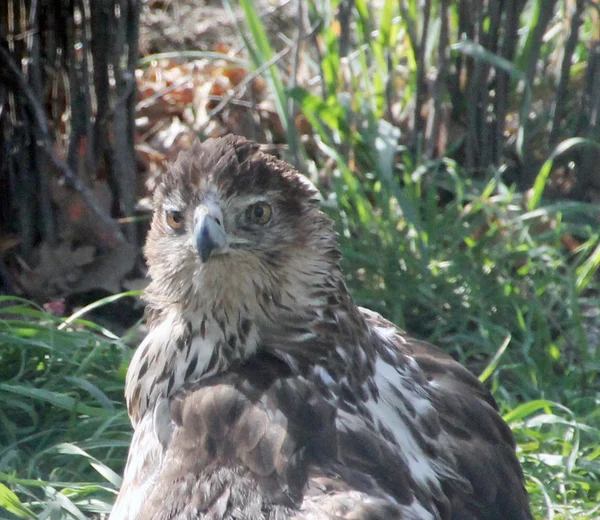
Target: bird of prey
x: 263, y: 392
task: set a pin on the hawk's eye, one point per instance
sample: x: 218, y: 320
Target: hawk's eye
x: 259, y: 213
x: 175, y: 219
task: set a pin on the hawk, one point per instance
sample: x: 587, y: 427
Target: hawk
x: 263, y: 392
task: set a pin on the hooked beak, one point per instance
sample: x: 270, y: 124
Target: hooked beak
x: 209, y: 234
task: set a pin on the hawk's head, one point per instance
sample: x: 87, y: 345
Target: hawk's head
x: 239, y: 254
x: 232, y: 226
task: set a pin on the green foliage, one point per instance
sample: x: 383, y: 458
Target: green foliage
x: 64, y: 431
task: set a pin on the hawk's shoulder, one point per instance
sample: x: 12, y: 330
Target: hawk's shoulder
x: 454, y: 422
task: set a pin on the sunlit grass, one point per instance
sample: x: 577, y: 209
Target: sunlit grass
x: 64, y: 432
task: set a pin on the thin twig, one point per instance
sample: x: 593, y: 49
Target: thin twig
x: 319, y: 58
x: 292, y: 105
x: 150, y: 100
x: 241, y: 86
x: 36, y: 84
x: 192, y: 55
x: 411, y: 30
x: 421, y: 82
x: 510, y: 39
x: 344, y: 18
x: 586, y: 173
x: 475, y: 86
x: 227, y: 98
x: 490, y: 39
x: 532, y: 58
x: 123, y: 122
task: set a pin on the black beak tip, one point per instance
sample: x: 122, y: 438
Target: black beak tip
x: 204, y: 244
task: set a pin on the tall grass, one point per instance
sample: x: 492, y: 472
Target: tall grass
x: 64, y: 431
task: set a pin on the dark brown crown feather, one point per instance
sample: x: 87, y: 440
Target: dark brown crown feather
x: 236, y: 166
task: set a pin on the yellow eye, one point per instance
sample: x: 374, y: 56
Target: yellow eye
x: 175, y: 219
x: 259, y: 213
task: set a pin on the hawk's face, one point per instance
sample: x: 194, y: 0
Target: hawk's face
x: 233, y: 226
x: 239, y: 254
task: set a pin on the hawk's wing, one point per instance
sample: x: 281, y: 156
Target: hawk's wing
x: 256, y: 443
x: 262, y: 442
x: 451, y: 427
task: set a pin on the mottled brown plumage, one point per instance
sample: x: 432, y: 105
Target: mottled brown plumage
x: 263, y: 392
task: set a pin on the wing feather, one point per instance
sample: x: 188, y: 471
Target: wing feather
x: 475, y: 460
x: 260, y: 440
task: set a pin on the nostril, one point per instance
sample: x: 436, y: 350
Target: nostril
x: 218, y: 221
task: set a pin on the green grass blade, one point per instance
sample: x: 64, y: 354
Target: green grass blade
x: 480, y: 53
x: 261, y: 51
x: 542, y: 177
x: 10, y: 502
x: 493, y: 364
x: 59, y: 400
x: 526, y: 409
x: 95, y: 305
x: 101, y: 468
x: 587, y: 271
